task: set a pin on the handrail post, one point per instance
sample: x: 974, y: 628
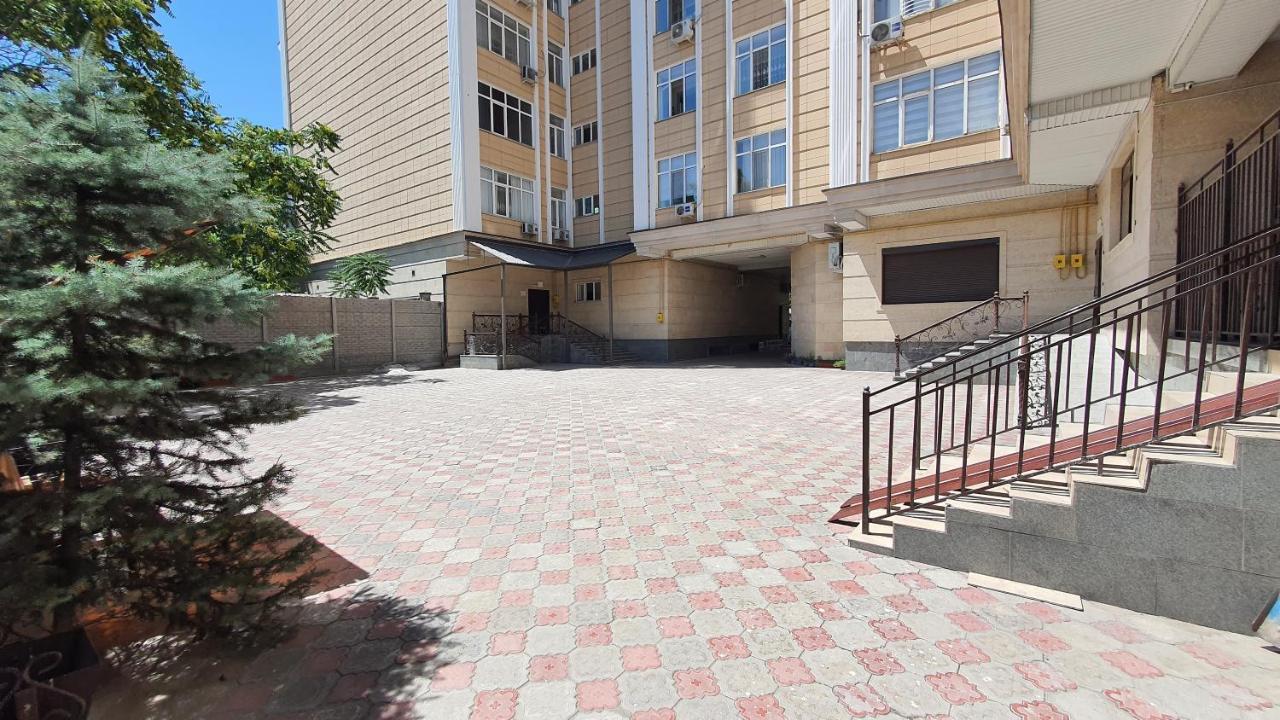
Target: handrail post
x: 897, y: 355
x: 996, y: 299
x: 866, y: 459
x: 1026, y: 309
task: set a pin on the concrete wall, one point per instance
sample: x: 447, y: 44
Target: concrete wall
x: 816, y: 304
x: 367, y: 333
x: 1031, y: 231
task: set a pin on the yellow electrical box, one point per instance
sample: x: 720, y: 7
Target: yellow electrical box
x: 1077, y: 260
x: 1059, y: 262
x: 660, y: 318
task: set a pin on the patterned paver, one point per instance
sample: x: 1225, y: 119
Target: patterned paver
x: 651, y: 543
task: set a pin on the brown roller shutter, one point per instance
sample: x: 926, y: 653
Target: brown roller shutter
x: 966, y: 271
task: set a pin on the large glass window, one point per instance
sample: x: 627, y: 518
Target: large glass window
x: 670, y: 12
x: 678, y: 89
x: 502, y: 34
x: 559, y: 209
x: 506, y: 195
x: 762, y: 161
x: 678, y: 180
x: 937, y: 104
x: 555, y: 63
x: 586, y: 133
x: 761, y: 59
x: 583, y: 62
x: 556, y: 6
x: 1126, y: 197
x: 555, y: 135
x: 502, y: 113
x: 587, y: 205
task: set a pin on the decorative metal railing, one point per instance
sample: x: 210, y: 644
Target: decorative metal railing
x: 24, y: 694
x: 1237, y: 198
x: 993, y: 315
x: 1078, y: 378
x: 486, y: 336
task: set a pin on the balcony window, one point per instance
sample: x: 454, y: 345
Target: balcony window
x: 670, y: 12
x: 762, y: 161
x: 506, y: 195
x: 761, y: 59
x: 502, y: 113
x: 678, y: 180
x: 678, y: 89
x: 500, y: 33
x: 938, y: 104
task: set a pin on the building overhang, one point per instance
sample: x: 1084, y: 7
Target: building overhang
x: 550, y: 257
x: 854, y: 207
x: 1071, y: 139
x: 704, y: 240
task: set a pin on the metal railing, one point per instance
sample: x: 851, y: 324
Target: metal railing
x: 1238, y: 197
x: 1067, y: 390
x: 993, y: 315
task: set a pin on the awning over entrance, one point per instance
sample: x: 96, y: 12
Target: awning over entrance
x: 546, y: 257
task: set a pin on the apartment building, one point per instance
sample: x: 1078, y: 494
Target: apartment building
x: 688, y: 177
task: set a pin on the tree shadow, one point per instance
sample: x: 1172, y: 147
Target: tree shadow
x: 323, y: 393
x: 352, y: 652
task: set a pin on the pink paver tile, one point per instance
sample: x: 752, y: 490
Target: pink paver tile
x: 962, y: 652
x: 694, y: 684
x: 455, y: 676
x: 1043, y: 640
x: 730, y: 646
x: 1129, y: 701
x: 955, y: 688
x: 790, y: 671
x: 1044, y: 676
x: 814, y: 638
x: 756, y: 619
x: 511, y: 643
x: 546, y: 668
x: 1131, y: 664
x: 892, y: 630
x: 706, y: 601
x: 878, y: 662
x: 1037, y: 710
x: 760, y: 707
x: 673, y: 627
x: 494, y: 705
x: 594, y: 635
x: 663, y: 714
x: 862, y: 701
x: 641, y: 657
x: 597, y: 695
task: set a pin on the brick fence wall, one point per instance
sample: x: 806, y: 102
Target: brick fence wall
x: 367, y: 333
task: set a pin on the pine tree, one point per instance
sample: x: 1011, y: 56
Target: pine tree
x: 143, y: 502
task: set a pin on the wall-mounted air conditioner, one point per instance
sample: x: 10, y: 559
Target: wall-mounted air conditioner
x: 835, y: 256
x: 529, y: 228
x: 529, y: 74
x: 687, y: 210
x: 886, y: 31
x: 682, y: 31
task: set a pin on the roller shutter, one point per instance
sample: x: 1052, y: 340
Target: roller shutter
x: 966, y: 271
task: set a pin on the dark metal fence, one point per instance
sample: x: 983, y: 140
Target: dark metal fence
x: 993, y: 315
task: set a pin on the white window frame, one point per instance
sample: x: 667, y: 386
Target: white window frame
x: 559, y: 209
x: 688, y: 176
x: 523, y: 110
x: 555, y: 135
x: 584, y: 61
x: 506, y: 194
x: 688, y: 79
x: 767, y: 142
x: 771, y: 45
x: 586, y: 206
x: 510, y: 30
x: 555, y: 63
x: 663, y: 21
x: 588, y: 291
x: 556, y: 6
x: 906, y: 8
x: 899, y: 100
x: 586, y: 133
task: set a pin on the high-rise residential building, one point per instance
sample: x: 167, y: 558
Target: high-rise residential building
x: 690, y: 177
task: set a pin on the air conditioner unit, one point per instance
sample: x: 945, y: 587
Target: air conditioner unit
x: 528, y: 74
x: 529, y: 228
x: 682, y: 31
x: 686, y: 210
x: 560, y: 237
x: 835, y: 256
x: 527, y: 3
x: 886, y: 31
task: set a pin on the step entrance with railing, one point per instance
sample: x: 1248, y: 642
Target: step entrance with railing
x: 542, y: 339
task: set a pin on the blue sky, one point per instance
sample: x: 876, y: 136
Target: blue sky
x: 231, y: 46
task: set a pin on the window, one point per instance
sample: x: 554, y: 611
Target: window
x: 555, y: 63
x: 762, y: 59
x: 556, y: 135
x: 670, y: 12
x: 504, y: 114
x: 938, y: 104
x: 556, y: 6
x: 762, y: 161
x: 1126, y: 197
x: 965, y: 271
x: 585, y: 206
x: 584, y: 61
x: 559, y: 209
x: 885, y: 9
x: 586, y: 133
x: 678, y: 180
x: 502, y: 34
x: 678, y: 89
x: 589, y: 291
x: 506, y: 195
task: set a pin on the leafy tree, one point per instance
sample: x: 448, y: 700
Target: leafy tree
x: 363, y: 275
x: 142, y: 503
x: 287, y: 171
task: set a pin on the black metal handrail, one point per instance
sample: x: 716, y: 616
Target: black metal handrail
x: 958, y: 330
x: 1075, y: 369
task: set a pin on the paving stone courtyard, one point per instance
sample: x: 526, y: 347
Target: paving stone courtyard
x: 650, y: 543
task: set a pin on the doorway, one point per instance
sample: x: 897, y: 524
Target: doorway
x: 539, y: 311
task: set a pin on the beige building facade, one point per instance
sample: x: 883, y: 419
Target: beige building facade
x: 832, y: 174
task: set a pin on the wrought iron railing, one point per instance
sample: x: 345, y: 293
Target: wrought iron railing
x: 1068, y: 390
x: 993, y: 315
x: 490, y: 343
x: 25, y: 692
x: 1237, y: 198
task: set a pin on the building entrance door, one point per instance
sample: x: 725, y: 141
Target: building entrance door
x: 539, y: 311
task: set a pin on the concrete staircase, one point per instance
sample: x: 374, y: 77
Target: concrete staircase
x: 1187, y: 528
x: 946, y: 358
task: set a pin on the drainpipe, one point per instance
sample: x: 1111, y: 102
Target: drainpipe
x: 502, y: 315
x: 864, y: 154
x: 610, y: 276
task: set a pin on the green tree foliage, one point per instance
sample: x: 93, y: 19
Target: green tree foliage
x: 363, y: 275
x: 141, y: 501
x: 287, y: 171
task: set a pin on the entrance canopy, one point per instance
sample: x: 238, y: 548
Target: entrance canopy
x: 547, y: 257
